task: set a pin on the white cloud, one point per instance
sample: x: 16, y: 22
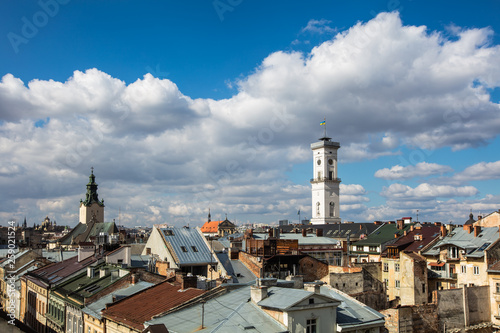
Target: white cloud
x: 318, y: 27
x: 422, y: 169
x: 423, y: 192
x: 479, y: 171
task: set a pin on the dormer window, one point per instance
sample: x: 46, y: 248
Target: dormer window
x: 183, y: 248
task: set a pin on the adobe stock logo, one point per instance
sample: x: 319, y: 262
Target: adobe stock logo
x: 30, y: 28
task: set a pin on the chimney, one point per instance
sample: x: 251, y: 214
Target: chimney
x: 134, y: 279
x: 270, y: 232
x: 304, y: 232
x: 443, y: 231
x: 412, y: 227
x: 258, y: 293
x: 396, y: 235
x: 319, y: 232
x: 400, y: 224
x: 90, y: 272
x: 313, y: 286
x: 468, y: 228
x: 477, y: 230
x: 437, y: 224
x: 404, y: 233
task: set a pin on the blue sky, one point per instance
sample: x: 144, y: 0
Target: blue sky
x: 412, y: 85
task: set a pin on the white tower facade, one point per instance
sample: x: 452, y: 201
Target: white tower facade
x: 325, y: 182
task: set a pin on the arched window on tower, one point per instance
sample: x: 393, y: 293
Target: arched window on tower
x: 317, y: 209
x: 332, y: 209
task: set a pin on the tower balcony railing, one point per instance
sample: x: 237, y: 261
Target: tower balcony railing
x: 325, y: 179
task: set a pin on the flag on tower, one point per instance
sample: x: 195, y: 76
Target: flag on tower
x: 323, y: 122
x: 298, y: 213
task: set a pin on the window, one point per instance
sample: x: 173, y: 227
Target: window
x: 497, y: 289
x: 398, y: 284
x: 386, y: 267
x: 476, y: 270
x: 332, y: 209
x: 317, y: 210
x: 396, y: 267
x: 311, y: 326
x: 453, y: 252
x: 386, y: 282
x: 423, y: 288
x: 183, y: 248
x: 311, y: 300
x: 359, y: 248
x: 194, y: 248
x: 463, y: 269
x: 330, y: 175
x: 373, y: 249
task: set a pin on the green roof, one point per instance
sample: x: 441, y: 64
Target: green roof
x: 383, y: 234
x: 75, y: 290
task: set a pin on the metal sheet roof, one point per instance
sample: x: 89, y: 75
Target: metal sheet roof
x: 229, y: 313
x: 352, y: 312
x: 188, y: 244
x: 474, y: 245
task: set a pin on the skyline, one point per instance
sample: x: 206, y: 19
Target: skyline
x: 180, y: 109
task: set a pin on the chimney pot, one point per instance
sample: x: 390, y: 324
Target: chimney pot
x: 319, y: 232
x: 443, y: 231
x: 304, y: 232
x: 477, y: 230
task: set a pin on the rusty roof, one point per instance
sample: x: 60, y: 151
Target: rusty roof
x: 133, y: 311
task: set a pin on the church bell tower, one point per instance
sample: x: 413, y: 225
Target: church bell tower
x: 325, y: 183
x: 91, y: 209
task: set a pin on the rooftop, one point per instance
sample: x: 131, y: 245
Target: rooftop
x: 188, y: 244
x: 153, y: 301
x: 473, y: 245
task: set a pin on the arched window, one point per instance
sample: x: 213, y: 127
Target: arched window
x: 332, y: 209
x: 317, y: 209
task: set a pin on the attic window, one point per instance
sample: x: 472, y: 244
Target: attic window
x: 194, y: 248
x: 183, y: 248
x: 311, y: 300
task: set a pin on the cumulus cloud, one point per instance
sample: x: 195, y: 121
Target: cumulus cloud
x: 161, y: 155
x: 479, y: 171
x: 426, y: 191
x: 422, y: 169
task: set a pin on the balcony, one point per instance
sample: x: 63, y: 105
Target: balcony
x: 325, y: 179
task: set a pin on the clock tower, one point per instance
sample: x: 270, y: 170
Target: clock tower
x: 325, y: 184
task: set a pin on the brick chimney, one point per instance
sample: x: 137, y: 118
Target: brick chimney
x: 412, y: 228
x: 396, y: 235
x: 477, y: 230
x: 468, y: 228
x: 400, y: 224
x: 443, y: 231
x: 319, y: 232
x: 304, y: 232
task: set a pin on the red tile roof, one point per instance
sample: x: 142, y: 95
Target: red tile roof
x: 133, y: 311
x: 211, y: 227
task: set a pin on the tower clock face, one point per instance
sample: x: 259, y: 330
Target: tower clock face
x: 319, y: 162
x: 330, y: 161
